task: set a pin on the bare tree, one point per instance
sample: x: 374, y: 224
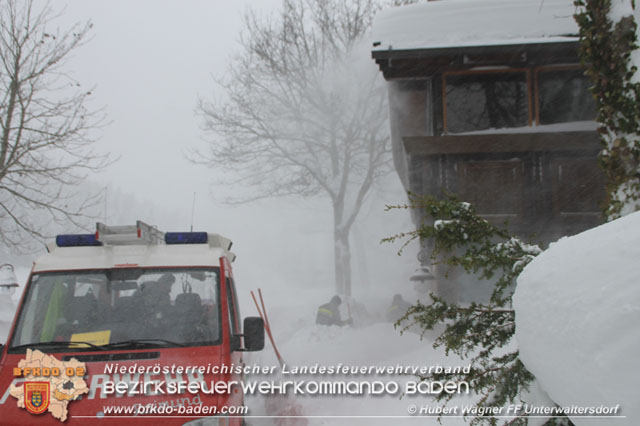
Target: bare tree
x: 45, y: 143
x: 305, y: 112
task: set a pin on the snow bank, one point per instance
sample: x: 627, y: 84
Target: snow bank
x: 374, y: 343
x: 577, y: 314
x: 457, y: 23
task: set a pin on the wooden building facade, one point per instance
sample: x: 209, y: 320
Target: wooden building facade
x: 508, y: 126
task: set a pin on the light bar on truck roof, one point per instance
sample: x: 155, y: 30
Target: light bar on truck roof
x: 186, y: 238
x: 77, y: 240
x: 141, y: 234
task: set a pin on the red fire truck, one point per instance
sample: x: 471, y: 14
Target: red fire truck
x: 153, y: 317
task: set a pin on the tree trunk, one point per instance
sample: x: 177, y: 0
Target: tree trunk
x: 342, y: 253
x: 342, y: 250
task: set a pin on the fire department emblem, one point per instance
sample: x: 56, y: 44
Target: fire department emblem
x: 36, y: 397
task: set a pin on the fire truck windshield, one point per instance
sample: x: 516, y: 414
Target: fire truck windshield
x: 110, y: 308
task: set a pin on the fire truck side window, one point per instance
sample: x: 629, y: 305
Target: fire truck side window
x: 233, y: 313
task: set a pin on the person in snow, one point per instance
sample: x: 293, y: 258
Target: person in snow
x: 329, y: 313
x: 8, y: 286
x: 398, y: 308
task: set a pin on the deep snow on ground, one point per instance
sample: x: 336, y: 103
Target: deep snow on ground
x: 577, y: 314
x: 371, y: 342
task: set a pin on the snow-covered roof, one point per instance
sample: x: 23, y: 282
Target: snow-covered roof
x: 462, y: 23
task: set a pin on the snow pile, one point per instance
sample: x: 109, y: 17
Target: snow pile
x: 372, y: 343
x: 577, y: 314
x: 457, y: 23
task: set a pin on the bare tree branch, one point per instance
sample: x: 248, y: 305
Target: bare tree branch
x: 305, y: 112
x: 45, y: 127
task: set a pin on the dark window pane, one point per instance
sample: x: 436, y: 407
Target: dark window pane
x: 118, y: 305
x: 486, y: 101
x: 564, y: 97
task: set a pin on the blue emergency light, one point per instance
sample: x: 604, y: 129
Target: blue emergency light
x: 77, y: 240
x: 186, y: 238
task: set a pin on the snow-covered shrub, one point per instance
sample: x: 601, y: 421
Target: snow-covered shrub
x: 481, y: 332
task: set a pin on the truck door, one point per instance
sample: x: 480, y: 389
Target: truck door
x: 232, y: 355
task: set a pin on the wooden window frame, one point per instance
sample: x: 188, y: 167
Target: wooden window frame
x: 526, y: 71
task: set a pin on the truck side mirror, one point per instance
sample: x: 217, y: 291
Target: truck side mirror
x: 253, y: 334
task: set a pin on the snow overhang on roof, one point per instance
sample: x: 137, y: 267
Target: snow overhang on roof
x: 468, y: 23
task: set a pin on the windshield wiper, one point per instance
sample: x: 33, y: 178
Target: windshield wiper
x: 54, y: 343
x: 142, y: 342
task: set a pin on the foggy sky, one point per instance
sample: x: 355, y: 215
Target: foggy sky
x: 148, y: 61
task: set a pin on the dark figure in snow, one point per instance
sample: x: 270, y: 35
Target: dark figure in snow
x: 398, y: 308
x: 329, y: 313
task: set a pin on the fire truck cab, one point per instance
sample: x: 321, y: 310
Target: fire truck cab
x: 135, y: 305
